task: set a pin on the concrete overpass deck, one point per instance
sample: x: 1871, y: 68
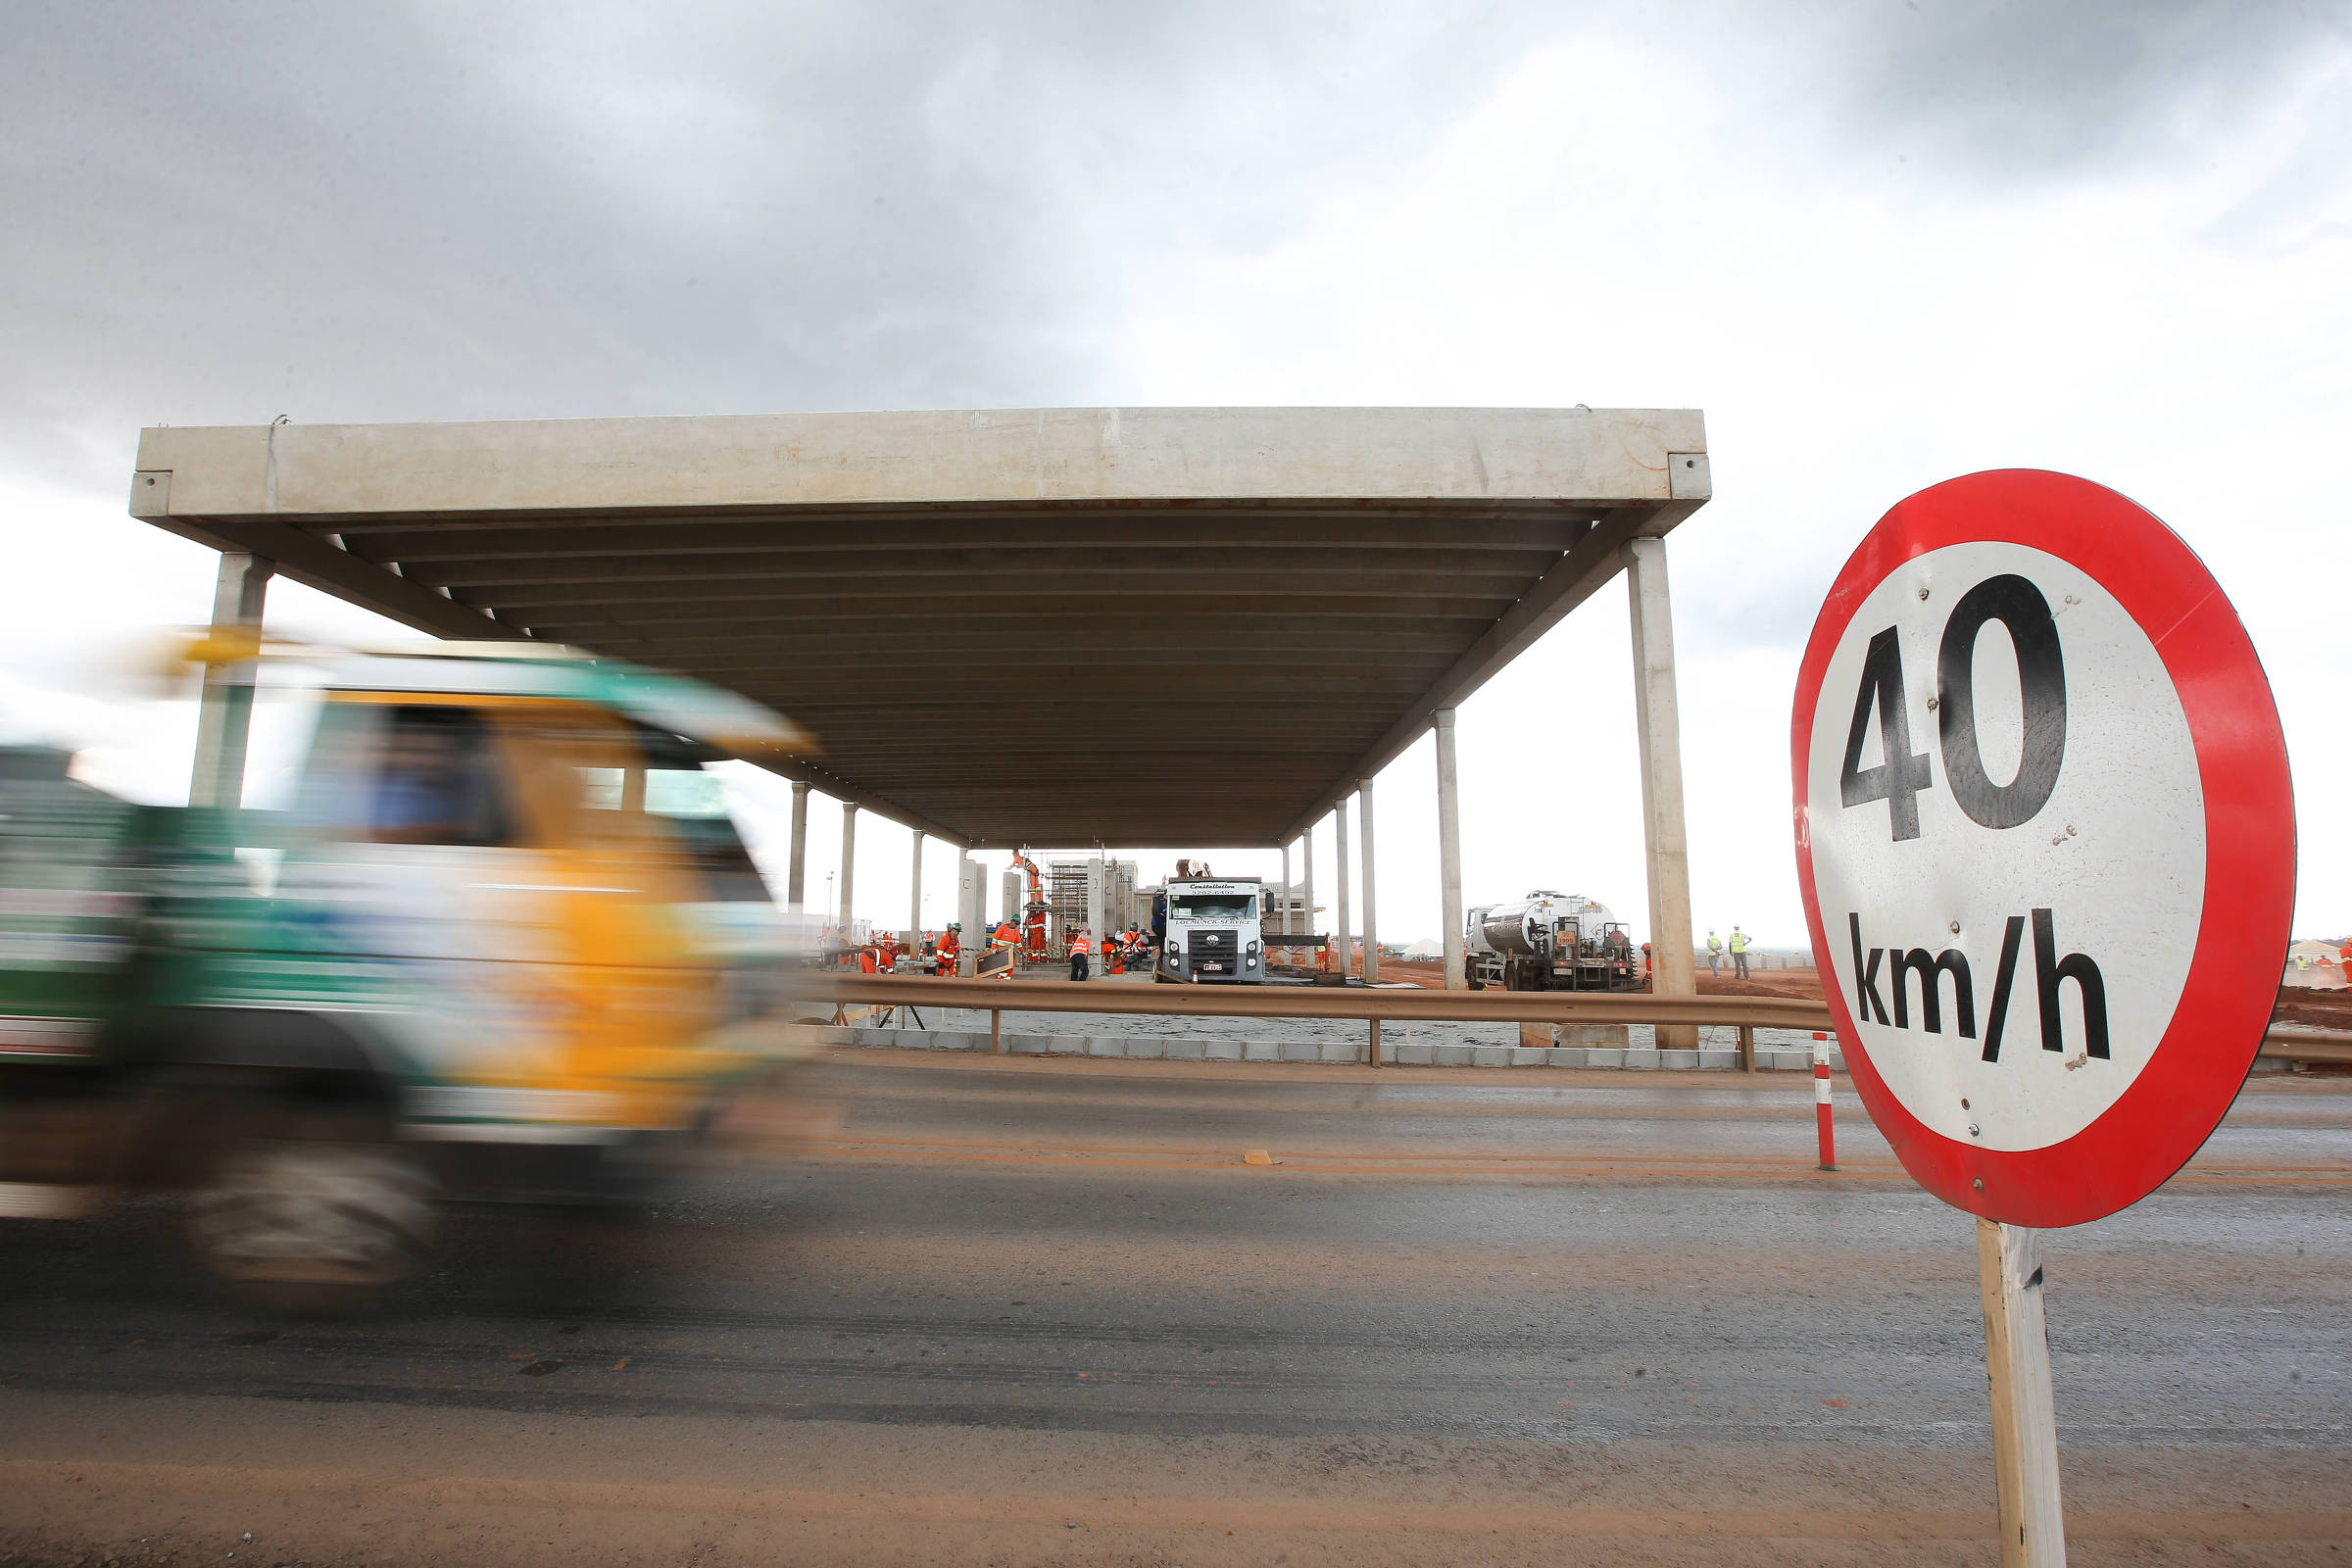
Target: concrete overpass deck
x: 1123, y: 627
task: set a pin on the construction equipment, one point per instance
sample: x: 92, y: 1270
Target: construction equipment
x: 1035, y: 947
x: 1550, y: 941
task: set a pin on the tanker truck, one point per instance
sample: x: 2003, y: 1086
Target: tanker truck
x: 1550, y: 941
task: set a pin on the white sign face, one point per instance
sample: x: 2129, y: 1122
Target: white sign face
x: 2010, y: 885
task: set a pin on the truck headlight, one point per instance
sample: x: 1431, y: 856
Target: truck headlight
x: 1253, y: 946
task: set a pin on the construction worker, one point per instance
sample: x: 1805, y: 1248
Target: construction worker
x: 1114, y: 954
x: 1714, y: 955
x: 1739, y: 941
x: 950, y: 949
x: 1080, y: 948
x: 1004, y: 940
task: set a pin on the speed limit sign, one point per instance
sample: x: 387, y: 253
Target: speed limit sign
x: 2045, y: 834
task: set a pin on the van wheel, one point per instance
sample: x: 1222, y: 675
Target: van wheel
x: 308, y: 1214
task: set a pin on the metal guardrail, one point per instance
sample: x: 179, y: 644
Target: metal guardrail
x: 1382, y: 1002
x: 2309, y: 1044
x: 1400, y: 1004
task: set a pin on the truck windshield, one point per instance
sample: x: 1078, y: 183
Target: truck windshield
x: 1213, y: 906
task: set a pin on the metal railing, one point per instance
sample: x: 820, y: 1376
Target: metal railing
x: 1397, y: 1005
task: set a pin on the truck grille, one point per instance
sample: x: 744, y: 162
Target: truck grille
x: 1213, y: 952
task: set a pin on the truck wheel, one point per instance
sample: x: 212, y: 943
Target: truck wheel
x: 308, y: 1214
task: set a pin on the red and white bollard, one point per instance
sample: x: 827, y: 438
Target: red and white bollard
x: 1820, y: 1101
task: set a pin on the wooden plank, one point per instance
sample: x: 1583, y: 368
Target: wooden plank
x: 2025, y: 1418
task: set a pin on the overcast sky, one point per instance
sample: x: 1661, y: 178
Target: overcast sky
x: 1879, y: 244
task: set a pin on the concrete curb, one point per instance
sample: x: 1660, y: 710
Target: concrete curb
x: 1202, y: 1048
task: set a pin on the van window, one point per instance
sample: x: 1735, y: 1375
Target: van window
x: 436, y: 781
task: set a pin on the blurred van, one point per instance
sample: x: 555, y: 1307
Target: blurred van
x: 506, y: 943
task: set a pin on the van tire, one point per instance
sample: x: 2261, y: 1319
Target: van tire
x: 308, y: 1211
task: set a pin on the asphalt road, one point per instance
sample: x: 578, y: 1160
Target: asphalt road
x: 1020, y: 1310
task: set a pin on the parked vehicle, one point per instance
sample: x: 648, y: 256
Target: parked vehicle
x: 1213, y: 932
x: 1550, y: 941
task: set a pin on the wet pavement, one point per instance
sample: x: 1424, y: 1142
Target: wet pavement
x: 1434, y: 1262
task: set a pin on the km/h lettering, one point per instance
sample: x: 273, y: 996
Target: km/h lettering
x: 1901, y: 966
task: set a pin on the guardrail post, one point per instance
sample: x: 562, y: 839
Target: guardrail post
x: 996, y: 1031
x: 1747, y: 1048
x: 1375, y: 1049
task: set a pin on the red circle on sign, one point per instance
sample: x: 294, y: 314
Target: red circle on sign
x: 2242, y: 934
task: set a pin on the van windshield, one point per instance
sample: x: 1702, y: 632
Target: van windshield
x: 1213, y: 906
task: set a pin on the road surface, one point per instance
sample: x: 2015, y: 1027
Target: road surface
x: 1021, y: 1311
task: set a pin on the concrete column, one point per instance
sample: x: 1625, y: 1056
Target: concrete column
x: 224, y: 711
x: 1343, y: 917
x: 915, y: 898
x: 972, y: 901
x: 1094, y: 912
x: 1449, y: 852
x: 1307, y: 848
x: 848, y: 860
x: 1363, y: 823
x: 1287, y: 900
x: 1659, y: 728
x: 796, y: 875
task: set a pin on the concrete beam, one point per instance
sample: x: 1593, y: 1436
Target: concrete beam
x: 1093, y: 910
x: 914, y: 897
x: 971, y: 910
x: 225, y: 709
x: 1658, y: 726
x: 1344, y: 918
x: 1307, y: 848
x: 1579, y: 575
x: 1363, y: 824
x: 960, y: 457
x: 796, y: 880
x: 316, y: 564
x: 889, y: 810
x: 848, y: 860
x: 1449, y: 852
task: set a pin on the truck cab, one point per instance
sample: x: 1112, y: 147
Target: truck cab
x: 1214, y: 933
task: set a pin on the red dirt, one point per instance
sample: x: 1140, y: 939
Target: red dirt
x: 2299, y: 1006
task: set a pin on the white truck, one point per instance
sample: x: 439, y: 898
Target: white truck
x: 1550, y: 941
x: 1214, y: 933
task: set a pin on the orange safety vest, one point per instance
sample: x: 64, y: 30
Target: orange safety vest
x: 1006, y: 934
x: 866, y: 961
x: 1080, y: 946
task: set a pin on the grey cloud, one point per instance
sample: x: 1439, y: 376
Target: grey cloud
x: 420, y: 210
x: 2026, y: 89
x: 430, y: 211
